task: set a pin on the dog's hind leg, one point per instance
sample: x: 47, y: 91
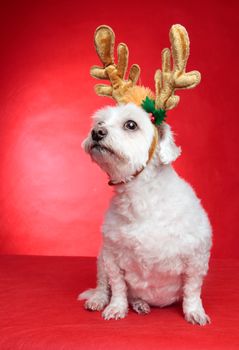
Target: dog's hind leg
x: 140, y: 306
x: 98, y: 298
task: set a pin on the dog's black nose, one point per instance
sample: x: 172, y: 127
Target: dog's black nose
x: 98, y: 133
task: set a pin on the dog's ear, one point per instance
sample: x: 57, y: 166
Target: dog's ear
x: 168, y: 150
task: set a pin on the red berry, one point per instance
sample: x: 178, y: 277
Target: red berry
x: 152, y: 118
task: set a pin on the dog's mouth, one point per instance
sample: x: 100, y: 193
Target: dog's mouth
x: 106, y: 150
x: 101, y: 148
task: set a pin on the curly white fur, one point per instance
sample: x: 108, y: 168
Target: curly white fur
x: 156, y: 235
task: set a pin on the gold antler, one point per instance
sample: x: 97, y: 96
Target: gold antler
x: 167, y: 80
x: 104, y: 44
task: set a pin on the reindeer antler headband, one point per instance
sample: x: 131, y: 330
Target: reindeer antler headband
x: 167, y: 80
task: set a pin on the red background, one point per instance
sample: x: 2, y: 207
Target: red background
x: 52, y: 197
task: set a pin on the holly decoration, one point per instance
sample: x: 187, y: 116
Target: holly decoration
x: 159, y: 115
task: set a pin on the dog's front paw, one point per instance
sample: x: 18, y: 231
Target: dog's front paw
x: 115, y: 311
x: 197, y: 317
x: 97, y: 302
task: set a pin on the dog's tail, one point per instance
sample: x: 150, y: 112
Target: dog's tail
x: 86, y: 294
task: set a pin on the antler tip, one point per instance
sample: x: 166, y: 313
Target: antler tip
x: 104, y: 27
x: 178, y: 26
x: 178, y: 33
x: 198, y: 77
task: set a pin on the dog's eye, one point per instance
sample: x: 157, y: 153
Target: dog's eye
x: 130, y: 125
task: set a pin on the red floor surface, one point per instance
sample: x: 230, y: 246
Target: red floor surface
x: 39, y: 310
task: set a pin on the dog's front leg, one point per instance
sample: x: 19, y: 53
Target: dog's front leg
x: 118, y: 306
x: 192, y: 302
x: 98, y: 298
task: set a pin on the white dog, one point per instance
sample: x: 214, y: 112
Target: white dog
x: 156, y: 235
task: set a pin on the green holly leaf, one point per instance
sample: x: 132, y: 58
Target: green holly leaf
x: 148, y: 105
x: 160, y: 115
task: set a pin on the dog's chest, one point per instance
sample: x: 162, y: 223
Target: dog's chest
x: 149, y: 229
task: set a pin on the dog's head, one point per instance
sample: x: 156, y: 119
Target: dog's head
x: 121, y: 139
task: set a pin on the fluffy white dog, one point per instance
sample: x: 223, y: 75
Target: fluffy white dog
x: 156, y: 235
